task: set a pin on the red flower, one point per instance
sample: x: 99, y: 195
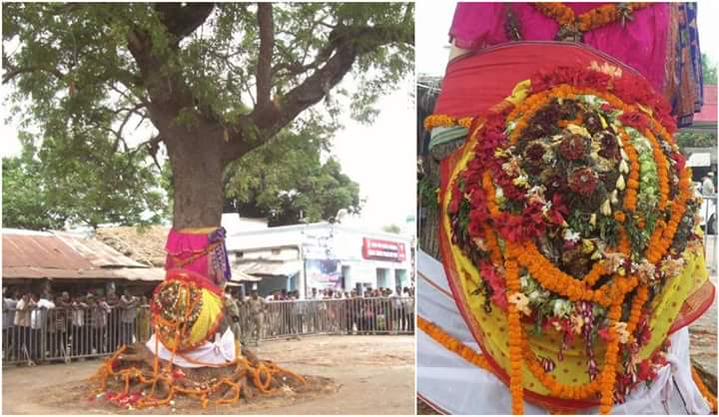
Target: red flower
x: 583, y: 181
x: 680, y: 160
x: 535, y: 152
x: 646, y: 371
x: 496, y: 282
x: 610, y: 147
x: 574, y: 147
x: 604, y: 333
x: 456, y: 200
x: 637, y: 120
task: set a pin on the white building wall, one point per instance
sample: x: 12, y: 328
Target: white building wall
x: 324, y: 241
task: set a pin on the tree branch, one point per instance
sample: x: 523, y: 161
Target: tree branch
x: 181, y: 19
x: 13, y: 72
x: 264, y: 61
x: 347, y: 43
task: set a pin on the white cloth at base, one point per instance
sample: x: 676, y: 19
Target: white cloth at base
x: 218, y: 352
x: 455, y: 386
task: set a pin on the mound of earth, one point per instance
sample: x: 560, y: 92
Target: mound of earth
x: 133, y: 378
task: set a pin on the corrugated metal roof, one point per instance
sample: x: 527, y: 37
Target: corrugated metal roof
x: 98, y: 253
x: 31, y: 272
x: 132, y: 274
x: 20, y: 250
x: 61, y: 255
x: 140, y: 274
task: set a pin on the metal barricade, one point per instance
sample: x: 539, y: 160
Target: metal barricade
x: 36, y: 335
x: 709, y: 216
x: 62, y: 334
x: 368, y: 316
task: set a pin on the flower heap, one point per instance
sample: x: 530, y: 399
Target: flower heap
x: 576, y: 208
x: 175, y: 308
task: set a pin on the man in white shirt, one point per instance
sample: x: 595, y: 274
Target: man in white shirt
x: 8, y: 326
x: 708, y: 185
x: 38, y: 323
x: 79, y: 338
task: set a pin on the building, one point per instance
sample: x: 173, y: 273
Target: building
x: 322, y: 255
x: 70, y: 262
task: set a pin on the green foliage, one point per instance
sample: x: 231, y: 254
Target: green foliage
x: 696, y: 139
x: 79, y: 79
x: 86, y: 46
x: 709, y: 69
x: 69, y: 180
x: 25, y: 198
x: 287, y: 180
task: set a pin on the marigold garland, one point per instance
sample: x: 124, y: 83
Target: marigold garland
x: 711, y: 399
x: 166, y: 375
x: 452, y: 344
x: 630, y: 195
x: 590, y: 20
x: 495, y: 172
x: 609, y: 373
x: 442, y: 120
x: 516, y: 386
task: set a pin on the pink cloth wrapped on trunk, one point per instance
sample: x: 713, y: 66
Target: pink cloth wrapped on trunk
x: 203, y: 253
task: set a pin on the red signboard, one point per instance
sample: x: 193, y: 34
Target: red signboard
x: 384, y: 250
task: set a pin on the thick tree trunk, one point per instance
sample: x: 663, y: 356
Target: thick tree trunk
x: 197, y: 167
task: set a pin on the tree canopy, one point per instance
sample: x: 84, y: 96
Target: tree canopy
x: 709, y: 70
x: 213, y: 81
x: 287, y: 182
x: 54, y: 186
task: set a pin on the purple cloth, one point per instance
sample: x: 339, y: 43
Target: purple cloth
x: 642, y: 44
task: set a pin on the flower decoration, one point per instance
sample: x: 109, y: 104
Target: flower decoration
x: 521, y: 302
x: 583, y: 181
x: 577, y: 209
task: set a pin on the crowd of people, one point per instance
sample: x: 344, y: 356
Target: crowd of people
x: 372, y: 311
x: 41, y: 325
x: 57, y: 326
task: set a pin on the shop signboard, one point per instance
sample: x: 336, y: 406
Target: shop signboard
x: 323, y: 274
x: 383, y: 250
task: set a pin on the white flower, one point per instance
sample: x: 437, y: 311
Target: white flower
x: 645, y: 270
x: 606, y: 208
x: 621, y: 328
x: 521, y: 302
x: 578, y: 130
x: 561, y: 308
x: 620, y: 183
x: 577, y: 323
x: 623, y: 167
x: 571, y: 236
x: 521, y: 181
x: 593, y: 219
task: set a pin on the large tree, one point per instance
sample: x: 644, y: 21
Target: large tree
x: 215, y: 81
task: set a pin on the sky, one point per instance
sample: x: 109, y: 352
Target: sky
x: 434, y: 19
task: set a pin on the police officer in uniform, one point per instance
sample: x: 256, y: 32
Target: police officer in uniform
x: 257, y: 306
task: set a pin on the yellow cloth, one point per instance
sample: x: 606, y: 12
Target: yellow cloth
x: 493, y: 327
x: 210, y: 316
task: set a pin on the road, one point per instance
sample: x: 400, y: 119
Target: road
x: 372, y: 375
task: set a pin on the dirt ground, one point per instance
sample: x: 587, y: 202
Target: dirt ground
x: 371, y: 374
